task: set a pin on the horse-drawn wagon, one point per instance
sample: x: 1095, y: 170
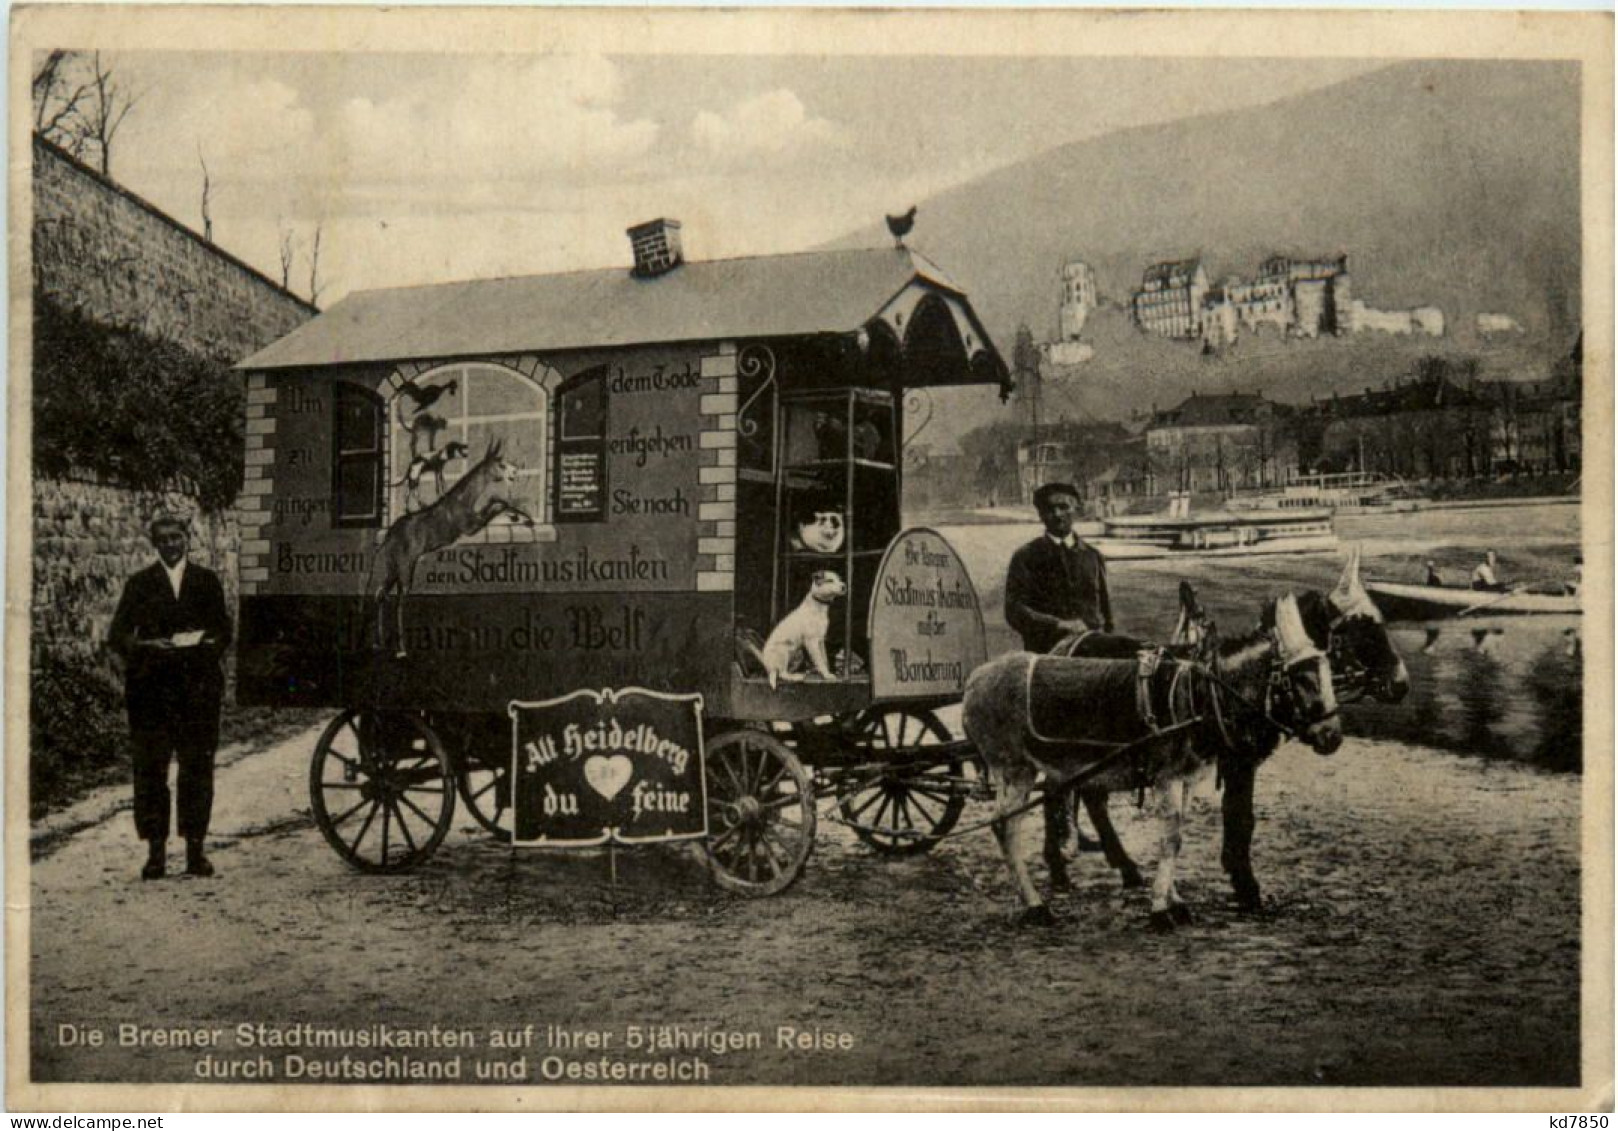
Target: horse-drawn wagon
x: 558, y: 543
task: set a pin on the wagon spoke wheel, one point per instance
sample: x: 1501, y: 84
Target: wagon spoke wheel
x: 761, y: 813
x: 908, y: 806
x: 382, y: 790
x: 485, y: 786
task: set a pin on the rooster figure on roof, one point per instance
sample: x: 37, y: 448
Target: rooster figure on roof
x: 900, y: 226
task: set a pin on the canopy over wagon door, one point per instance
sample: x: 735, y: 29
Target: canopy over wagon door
x: 933, y: 338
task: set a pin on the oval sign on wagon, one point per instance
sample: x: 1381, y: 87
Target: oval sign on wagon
x: 926, y: 628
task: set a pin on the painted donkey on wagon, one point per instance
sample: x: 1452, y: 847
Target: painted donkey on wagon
x: 477, y: 498
x: 1347, y: 625
x: 1124, y: 723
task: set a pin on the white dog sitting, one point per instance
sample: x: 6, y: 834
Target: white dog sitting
x: 803, y: 631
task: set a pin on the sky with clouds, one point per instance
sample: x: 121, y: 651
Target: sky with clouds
x: 424, y: 168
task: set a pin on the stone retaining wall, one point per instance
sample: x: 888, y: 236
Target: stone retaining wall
x: 99, y: 248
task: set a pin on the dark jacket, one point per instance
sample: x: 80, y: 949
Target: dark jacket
x: 184, y: 685
x: 1047, y: 583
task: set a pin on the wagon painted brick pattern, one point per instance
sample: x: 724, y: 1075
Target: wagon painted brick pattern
x: 724, y: 492
x: 716, y: 489
x: 253, y: 512
x: 722, y: 365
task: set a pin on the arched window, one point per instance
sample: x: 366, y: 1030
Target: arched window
x: 443, y: 423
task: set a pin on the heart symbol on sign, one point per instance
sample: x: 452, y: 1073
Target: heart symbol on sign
x: 608, y: 775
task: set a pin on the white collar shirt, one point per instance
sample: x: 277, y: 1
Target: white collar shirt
x: 176, y: 574
x: 1070, y: 542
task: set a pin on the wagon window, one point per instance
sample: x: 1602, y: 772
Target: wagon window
x: 581, y: 448
x: 444, y: 421
x: 357, y: 458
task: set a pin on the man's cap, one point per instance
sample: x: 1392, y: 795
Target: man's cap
x: 169, y: 517
x: 1044, y: 494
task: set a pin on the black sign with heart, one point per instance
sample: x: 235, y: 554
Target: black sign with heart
x: 624, y: 766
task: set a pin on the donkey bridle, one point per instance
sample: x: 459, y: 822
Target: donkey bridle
x: 1280, y: 677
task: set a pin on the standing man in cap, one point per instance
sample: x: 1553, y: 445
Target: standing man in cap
x: 172, y: 630
x: 1057, y: 585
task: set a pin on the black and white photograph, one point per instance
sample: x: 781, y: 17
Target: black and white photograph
x: 590, y: 558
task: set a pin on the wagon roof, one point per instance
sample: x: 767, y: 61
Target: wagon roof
x: 756, y: 297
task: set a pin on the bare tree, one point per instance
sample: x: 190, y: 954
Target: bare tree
x: 315, y: 285
x: 60, y: 95
x: 288, y: 254
x: 207, y: 193
x: 109, y: 103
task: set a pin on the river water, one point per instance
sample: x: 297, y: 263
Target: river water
x: 1495, y: 687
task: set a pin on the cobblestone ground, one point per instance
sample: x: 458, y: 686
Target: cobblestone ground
x: 1423, y: 930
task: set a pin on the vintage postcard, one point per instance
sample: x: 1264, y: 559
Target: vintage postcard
x: 763, y: 559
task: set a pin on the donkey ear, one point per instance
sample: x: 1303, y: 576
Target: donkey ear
x: 1350, y: 597
x: 1288, y: 622
x: 1348, y: 585
x: 1289, y: 630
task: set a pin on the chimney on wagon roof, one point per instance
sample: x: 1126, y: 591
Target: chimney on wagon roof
x: 656, y: 244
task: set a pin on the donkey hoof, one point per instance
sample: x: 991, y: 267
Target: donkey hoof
x: 1088, y: 845
x: 1181, y: 914
x: 1036, y: 917
x: 1133, y: 879
x: 1160, y: 923
x: 1061, y: 881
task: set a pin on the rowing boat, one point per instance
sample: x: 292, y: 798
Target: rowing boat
x: 1432, y: 602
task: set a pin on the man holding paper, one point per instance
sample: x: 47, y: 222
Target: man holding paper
x: 172, y: 629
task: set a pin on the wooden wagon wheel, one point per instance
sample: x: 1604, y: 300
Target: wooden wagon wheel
x: 761, y: 813
x: 889, y: 809
x: 382, y: 789
x: 485, y: 786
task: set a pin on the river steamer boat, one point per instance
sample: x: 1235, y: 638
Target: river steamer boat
x: 1216, y: 534
x: 1349, y: 492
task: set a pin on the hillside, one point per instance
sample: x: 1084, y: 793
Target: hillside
x: 1452, y: 184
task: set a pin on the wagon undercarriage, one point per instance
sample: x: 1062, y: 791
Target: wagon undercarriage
x: 383, y: 787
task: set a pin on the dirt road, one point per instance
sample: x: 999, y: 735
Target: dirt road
x: 1424, y: 930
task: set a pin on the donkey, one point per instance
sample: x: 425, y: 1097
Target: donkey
x: 475, y: 500
x: 1234, y: 705
x: 1348, y: 626
x: 1192, y: 630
